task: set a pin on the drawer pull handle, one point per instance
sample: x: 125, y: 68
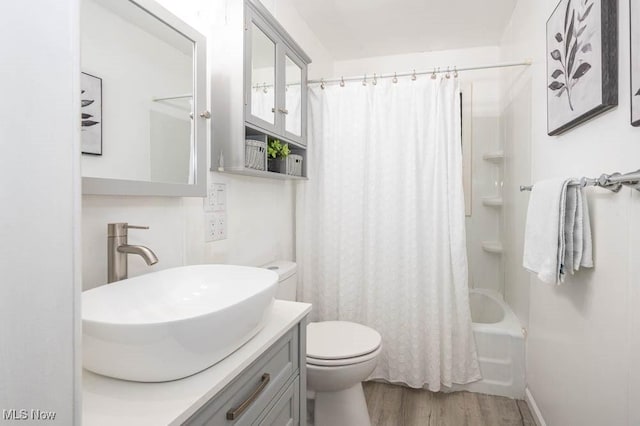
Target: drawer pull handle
x: 235, y: 413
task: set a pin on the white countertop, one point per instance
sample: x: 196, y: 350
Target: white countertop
x: 108, y: 402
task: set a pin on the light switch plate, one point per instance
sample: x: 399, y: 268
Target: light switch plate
x: 216, y: 200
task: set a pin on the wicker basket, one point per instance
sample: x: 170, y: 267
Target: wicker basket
x: 291, y: 165
x: 294, y: 165
x: 255, y: 154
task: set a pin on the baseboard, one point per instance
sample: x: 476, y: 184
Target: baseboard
x: 535, y: 411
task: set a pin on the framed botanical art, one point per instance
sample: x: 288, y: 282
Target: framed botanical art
x: 91, y: 111
x: 635, y: 62
x: 582, y: 62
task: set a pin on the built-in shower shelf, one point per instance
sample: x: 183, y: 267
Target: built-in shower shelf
x: 492, y: 201
x: 494, y: 157
x: 492, y: 247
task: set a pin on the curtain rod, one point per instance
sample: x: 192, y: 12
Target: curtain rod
x: 435, y: 70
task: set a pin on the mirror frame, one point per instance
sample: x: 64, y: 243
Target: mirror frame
x: 254, y: 19
x: 106, y: 186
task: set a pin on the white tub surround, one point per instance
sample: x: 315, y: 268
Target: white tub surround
x: 500, y: 343
x: 109, y: 401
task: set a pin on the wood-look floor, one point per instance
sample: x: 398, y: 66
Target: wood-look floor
x: 392, y: 405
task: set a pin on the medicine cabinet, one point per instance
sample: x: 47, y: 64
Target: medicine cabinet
x: 143, y: 90
x: 265, y: 90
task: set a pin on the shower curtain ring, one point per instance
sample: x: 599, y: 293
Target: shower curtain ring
x: 433, y: 74
x: 395, y: 77
x: 455, y: 72
x: 264, y: 88
x: 448, y: 74
x: 341, y: 81
x: 322, y: 83
x: 364, y: 81
x: 413, y: 76
x: 375, y: 79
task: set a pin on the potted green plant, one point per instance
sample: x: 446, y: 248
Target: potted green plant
x: 277, y: 153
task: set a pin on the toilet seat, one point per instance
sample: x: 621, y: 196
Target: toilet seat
x: 340, y: 343
x: 319, y: 362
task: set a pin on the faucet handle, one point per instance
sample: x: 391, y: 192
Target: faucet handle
x: 135, y: 226
x: 120, y: 229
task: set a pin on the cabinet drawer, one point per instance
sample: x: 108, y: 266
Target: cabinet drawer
x: 286, y: 410
x: 256, y: 386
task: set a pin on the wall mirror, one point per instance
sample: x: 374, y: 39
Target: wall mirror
x: 143, y: 90
x: 263, y: 75
x: 293, y: 96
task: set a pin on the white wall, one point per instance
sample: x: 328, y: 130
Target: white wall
x: 584, y: 335
x: 286, y: 13
x: 39, y: 195
x: 484, y: 223
x: 260, y: 212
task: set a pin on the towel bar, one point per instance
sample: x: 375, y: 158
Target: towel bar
x: 612, y: 182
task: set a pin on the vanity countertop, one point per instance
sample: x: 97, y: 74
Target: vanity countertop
x: 108, y: 402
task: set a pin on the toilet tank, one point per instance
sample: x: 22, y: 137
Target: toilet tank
x: 288, y: 281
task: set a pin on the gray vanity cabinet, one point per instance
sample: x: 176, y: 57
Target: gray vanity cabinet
x: 270, y: 392
x: 261, y: 92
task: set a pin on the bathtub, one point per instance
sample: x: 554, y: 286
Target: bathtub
x: 500, y: 346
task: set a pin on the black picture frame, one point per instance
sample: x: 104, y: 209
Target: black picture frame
x: 569, y: 59
x: 91, y: 114
x: 634, y: 34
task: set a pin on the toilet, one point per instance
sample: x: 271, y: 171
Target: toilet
x: 340, y: 355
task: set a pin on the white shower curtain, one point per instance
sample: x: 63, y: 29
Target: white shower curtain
x: 381, y: 230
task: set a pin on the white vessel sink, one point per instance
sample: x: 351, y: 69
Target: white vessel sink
x: 173, y: 323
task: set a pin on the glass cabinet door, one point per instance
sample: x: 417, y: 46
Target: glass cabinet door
x: 293, y: 97
x: 263, y: 76
x: 275, y: 82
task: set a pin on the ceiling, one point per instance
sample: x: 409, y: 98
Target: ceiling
x: 352, y: 29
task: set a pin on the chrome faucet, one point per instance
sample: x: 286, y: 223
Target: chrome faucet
x: 118, y: 249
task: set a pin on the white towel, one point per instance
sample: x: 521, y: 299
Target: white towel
x: 545, y: 224
x: 558, y: 231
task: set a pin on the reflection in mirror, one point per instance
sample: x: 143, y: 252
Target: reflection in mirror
x: 263, y: 75
x: 147, y: 71
x: 293, y: 98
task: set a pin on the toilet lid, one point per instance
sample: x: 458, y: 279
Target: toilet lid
x: 340, y: 339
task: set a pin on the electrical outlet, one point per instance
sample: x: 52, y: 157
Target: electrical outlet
x: 209, y: 228
x: 215, y: 226
x: 222, y: 226
x: 216, y: 200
